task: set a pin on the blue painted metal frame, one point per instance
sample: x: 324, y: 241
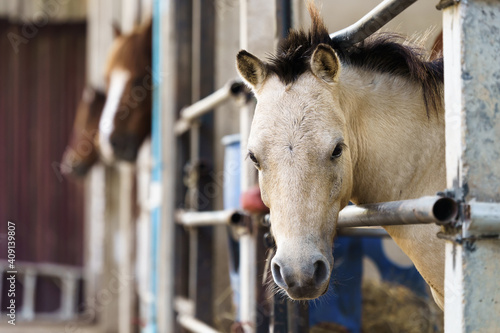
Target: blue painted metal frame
x: 156, y: 176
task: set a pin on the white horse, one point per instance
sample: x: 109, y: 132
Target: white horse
x: 333, y: 124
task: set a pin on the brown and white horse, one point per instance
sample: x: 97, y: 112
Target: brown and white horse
x: 126, y: 118
x: 81, y: 153
x: 363, y: 123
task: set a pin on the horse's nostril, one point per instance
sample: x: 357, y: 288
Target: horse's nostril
x: 320, y: 272
x: 278, y: 277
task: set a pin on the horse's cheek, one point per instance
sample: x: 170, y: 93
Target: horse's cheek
x: 263, y: 190
x: 336, y: 186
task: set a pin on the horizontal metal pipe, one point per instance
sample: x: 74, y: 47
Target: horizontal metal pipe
x: 45, y: 269
x: 433, y: 209
x: 371, y: 22
x: 362, y: 232
x: 197, y: 219
x: 203, y: 106
x: 194, y: 325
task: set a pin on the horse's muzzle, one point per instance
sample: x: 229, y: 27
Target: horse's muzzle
x: 125, y: 146
x: 307, y: 282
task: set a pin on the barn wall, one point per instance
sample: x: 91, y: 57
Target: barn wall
x: 41, y: 79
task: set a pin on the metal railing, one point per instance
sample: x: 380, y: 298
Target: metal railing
x: 27, y: 275
x: 231, y: 89
x: 355, y: 218
x: 352, y: 220
x: 188, y: 121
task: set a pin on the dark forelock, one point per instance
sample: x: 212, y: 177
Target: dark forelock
x: 383, y: 53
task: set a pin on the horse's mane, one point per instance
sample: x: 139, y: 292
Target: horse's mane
x: 382, y: 53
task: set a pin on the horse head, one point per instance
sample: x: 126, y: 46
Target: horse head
x: 126, y: 118
x: 337, y: 122
x: 299, y: 145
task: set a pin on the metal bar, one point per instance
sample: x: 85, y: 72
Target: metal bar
x: 298, y: 317
x: 126, y: 295
x: 194, y: 325
x: 416, y: 211
x: 44, y: 269
x: 196, y: 219
x: 204, y: 105
x: 362, y: 232
x: 248, y: 242
x: 484, y: 217
x: 29, y: 284
x: 205, y: 274
x: 95, y: 201
x: 202, y: 150
x: 69, y: 292
x: 111, y: 265
x: 263, y: 307
x: 371, y: 22
x: 279, y: 314
x: 283, y: 17
x: 440, y: 210
x: 69, y: 288
x: 163, y: 177
x: 181, y: 95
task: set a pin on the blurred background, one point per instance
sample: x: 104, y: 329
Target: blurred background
x: 85, y: 219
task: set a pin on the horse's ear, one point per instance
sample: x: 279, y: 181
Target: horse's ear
x: 251, y: 69
x: 325, y: 63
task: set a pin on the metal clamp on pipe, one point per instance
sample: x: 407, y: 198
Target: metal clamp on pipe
x: 190, y: 113
x: 482, y: 219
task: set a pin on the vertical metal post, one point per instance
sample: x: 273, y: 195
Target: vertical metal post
x: 69, y: 291
x: 298, y: 317
x: 163, y: 178
x: 125, y: 236
x: 280, y: 314
x: 471, y: 31
x: 202, y: 85
x: 248, y: 264
x: 29, y: 284
x: 247, y: 241
x: 181, y: 96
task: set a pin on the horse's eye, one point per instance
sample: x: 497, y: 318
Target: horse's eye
x: 337, y: 152
x: 253, y: 158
